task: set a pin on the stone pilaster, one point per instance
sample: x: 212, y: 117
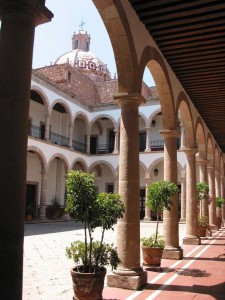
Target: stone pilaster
x: 148, y: 139
x: 172, y: 249
x: 18, y: 21
x: 212, y: 194
x: 147, y: 216
x: 183, y: 200
x: 43, y: 195
x: 191, y: 237
x: 116, y: 142
x: 128, y: 227
x: 115, y: 182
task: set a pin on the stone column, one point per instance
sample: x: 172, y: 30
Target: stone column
x: 148, y: 139
x: 16, y: 47
x: 129, y: 274
x: 183, y: 200
x: 172, y: 249
x: 203, y: 177
x: 70, y: 144
x: 88, y: 142
x: 116, y: 142
x: 43, y: 195
x: 212, y: 206
x: 191, y: 237
x: 47, y: 127
x: 147, y: 209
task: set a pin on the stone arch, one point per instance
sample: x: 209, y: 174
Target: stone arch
x: 81, y: 162
x: 143, y: 117
x: 102, y: 116
x: 200, y: 137
x: 83, y: 116
x: 183, y: 107
x: 65, y: 106
x: 221, y: 164
x: 112, y: 12
x: 143, y: 166
x: 156, y: 65
x: 210, y: 151
x: 152, y: 115
x: 40, y: 155
x: 60, y: 156
x: 99, y: 162
x: 43, y: 96
x: 217, y: 158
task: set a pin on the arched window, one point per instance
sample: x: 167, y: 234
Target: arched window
x: 76, y: 44
x: 87, y: 46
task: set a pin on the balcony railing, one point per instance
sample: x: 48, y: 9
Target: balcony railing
x: 81, y: 147
x: 59, y: 139
x: 34, y: 131
x: 157, y: 145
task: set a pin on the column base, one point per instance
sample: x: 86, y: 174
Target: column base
x: 115, y: 152
x: 133, y: 282
x: 182, y: 220
x: 191, y: 240
x: 148, y: 150
x: 172, y: 253
x: 147, y: 219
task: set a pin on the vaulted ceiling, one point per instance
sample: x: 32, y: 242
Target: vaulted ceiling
x: 191, y: 36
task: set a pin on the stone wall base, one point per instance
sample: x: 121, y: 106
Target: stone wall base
x: 191, y: 241
x: 127, y: 282
x: 176, y: 253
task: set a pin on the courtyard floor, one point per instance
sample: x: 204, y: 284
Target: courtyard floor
x: 199, y: 275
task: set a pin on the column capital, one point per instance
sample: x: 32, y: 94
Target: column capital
x: 189, y: 151
x: 169, y: 133
x: 211, y: 169
x: 35, y: 10
x: 129, y: 98
x: 202, y: 162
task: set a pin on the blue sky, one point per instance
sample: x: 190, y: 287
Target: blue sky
x: 54, y: 38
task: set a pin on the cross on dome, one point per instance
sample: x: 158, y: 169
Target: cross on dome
x: 82, y: 25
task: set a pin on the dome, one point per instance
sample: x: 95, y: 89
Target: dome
x: 85, y: 60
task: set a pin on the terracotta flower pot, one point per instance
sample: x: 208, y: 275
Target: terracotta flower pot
x: 88, y: 286
x: 152, y: 256
x: 202, y: 230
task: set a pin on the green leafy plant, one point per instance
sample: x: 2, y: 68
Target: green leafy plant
x: 150, y: 241
x: 159, y: 197
x: 203, y: 191
x: 203, y: 221
x: 30, y: 209
x: 219, y: 202
x: 93, y: 210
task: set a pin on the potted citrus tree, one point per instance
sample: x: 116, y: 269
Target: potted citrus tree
x: 159, y: 197
x: 203, y: 198
x: 219, y: 203
x: 90, y: 256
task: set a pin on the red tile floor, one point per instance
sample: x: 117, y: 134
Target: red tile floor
x: 200, y: 275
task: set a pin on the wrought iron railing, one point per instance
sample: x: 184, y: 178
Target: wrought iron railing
x: 59, y: 139
x: 81, y: 147
x: 157, y: 145
x: 34, y: 131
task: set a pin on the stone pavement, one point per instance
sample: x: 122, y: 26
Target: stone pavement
x: 200, y: 275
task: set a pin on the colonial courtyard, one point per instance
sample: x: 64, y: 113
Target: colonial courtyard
x: 200, y: 275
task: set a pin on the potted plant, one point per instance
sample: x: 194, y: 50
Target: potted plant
x: 29, y: 211
x: 90, y: 256
x: 219, y: 203
x: 203, y: 223
x: 159, y: 195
